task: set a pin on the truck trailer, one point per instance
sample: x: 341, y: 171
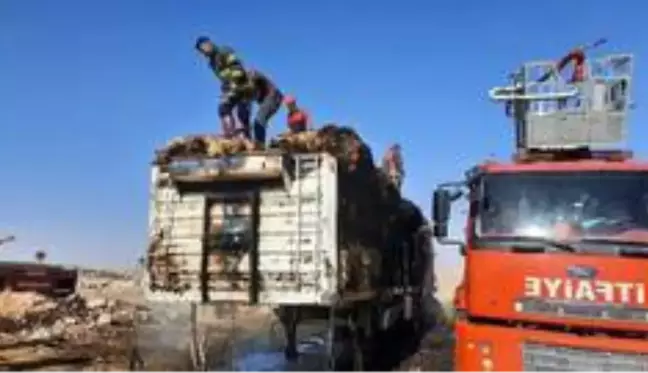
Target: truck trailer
x: 307, y: 229
x: 556, y: 239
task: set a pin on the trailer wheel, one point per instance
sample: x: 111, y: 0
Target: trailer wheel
x: 358, y: 345
x: 289, y: 318
x: 363, y: 330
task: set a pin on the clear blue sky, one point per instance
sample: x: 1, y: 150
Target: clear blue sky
x: 89, y: 88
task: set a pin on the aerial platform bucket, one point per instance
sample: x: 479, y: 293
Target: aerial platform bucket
x: 552, y: 112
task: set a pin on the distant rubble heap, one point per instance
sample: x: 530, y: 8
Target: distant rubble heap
x: 35, y: 328
x: 27, y: 316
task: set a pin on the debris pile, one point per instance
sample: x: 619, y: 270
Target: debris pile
x: 37, y: 331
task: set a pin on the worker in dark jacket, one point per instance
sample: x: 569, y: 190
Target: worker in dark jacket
x: 269, y: 99
x: 236, y: 88
x: 298, y: 119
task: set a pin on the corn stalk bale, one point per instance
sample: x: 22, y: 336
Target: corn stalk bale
x: 200, y: 146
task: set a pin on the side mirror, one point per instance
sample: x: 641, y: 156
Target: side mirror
x: 441, y: 212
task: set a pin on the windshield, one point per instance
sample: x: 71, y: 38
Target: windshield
x: 575, y: 206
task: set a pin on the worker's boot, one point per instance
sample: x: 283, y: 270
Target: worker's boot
x: 227, y: 123
x: 260, y: 134
x: 244, y: 131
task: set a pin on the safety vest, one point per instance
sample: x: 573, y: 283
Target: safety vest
x: 229, y: 69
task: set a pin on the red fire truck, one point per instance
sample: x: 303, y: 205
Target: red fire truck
x: 556, y: 246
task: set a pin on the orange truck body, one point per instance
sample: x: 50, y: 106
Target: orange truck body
x: 579, y: 330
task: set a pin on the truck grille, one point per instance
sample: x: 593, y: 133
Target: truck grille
x: 582, y: 310
x: 541, y: 357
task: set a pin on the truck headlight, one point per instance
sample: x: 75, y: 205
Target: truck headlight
x: 485, y: 350
x: 487, y: 364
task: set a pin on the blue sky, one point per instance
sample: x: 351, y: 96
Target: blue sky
x: 89, y: 89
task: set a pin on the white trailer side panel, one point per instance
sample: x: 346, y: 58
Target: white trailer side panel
x: 296, y: 239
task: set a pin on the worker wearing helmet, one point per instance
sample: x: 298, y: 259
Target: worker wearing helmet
x: 269, y: 99
x: 297, y: 118
x: 236, y: 88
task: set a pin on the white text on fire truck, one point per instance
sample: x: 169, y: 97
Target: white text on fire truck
x: 585, y: 290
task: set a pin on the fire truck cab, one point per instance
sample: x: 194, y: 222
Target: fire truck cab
x: 556, y: 240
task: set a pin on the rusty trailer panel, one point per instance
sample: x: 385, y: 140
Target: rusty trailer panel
x: 276, y: 244
x: 256, y: 166
x: 51, y: 280
x: 318, y: 235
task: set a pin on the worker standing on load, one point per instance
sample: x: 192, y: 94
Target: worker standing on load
x: 393, y: 165
x: 269, y: 98
x: 297, y: 118
x: 236, y: 87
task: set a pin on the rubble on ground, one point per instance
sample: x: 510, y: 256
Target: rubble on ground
x: 83, y: 331
x: 97, y: 327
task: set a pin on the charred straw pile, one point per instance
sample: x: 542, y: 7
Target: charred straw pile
x: 377, y: 226
x: 339, y: 141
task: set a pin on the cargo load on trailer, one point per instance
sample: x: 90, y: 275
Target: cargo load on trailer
x: 310, y: 220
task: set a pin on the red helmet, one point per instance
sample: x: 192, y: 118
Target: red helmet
x: 289, y: 100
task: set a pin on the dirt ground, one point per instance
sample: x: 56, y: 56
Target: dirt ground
x: 99, y: 327
x: 435, y: 353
